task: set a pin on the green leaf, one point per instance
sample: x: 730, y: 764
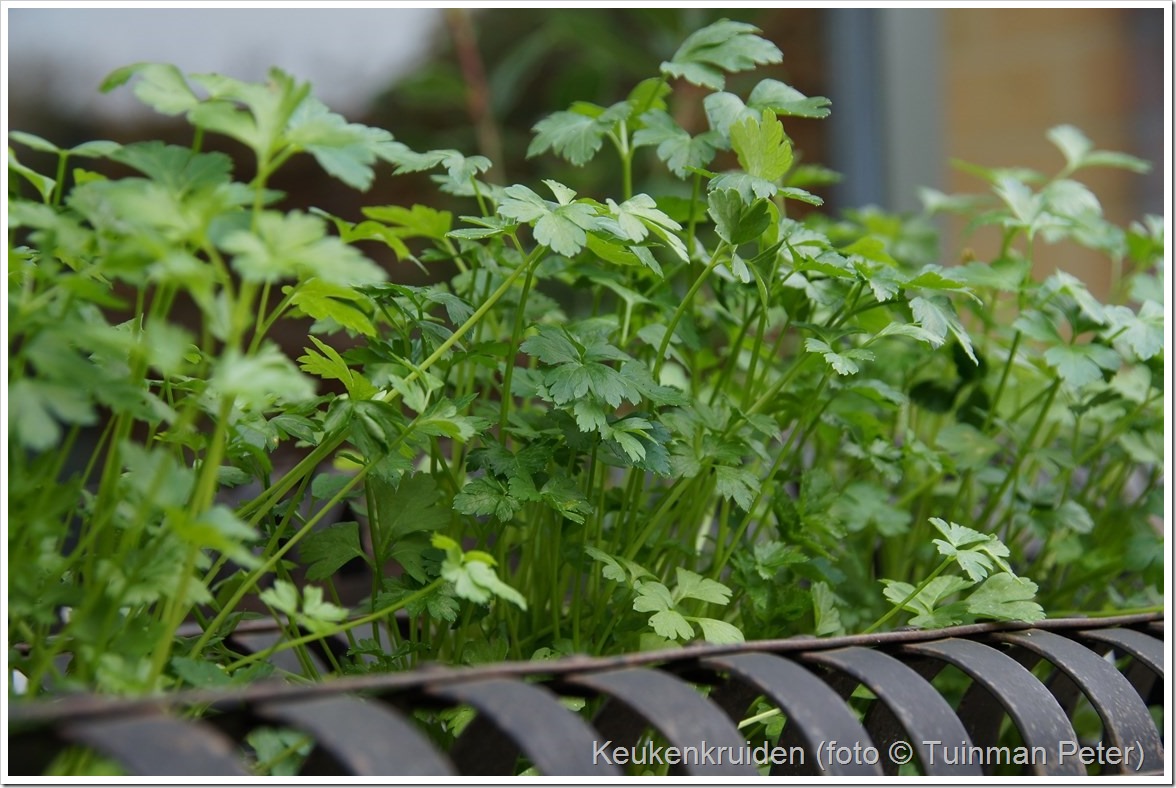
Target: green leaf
x: 418, y: 221
x: 1006, y: 274
x: 559, y: 226
x: 178, y: 169
x: 552, y: 346
x: 573, y: 136
x: 937, y: 316
x: 672, y: 625
x: 345, y: 150
x: 748, y: 187
x: 1079, y: 152
x: 441, y: 419
x: 473, y: 576
x: 639, y: 215
x: 200, y: 673
x: 722, y: 46
x: 485, y: 577
x: 974, y: 552
x: 783, y: 99
x: 800, y: 195
x: 842, y: 363
x: 33, y: 141
x: 161, y: 87
x: 762, y: 147
x: 295, y: 246
x: 863, y: 504
x: 284, y: 749
x: 1079, y: 365
x: 43, y: 184
x: 283, y: 597
x: 826, y: 616
x: 652, y: 596
x: 564, y: 496
x: 724, y: 109
x: 1005, y: 597
x: 737, y: 484
x: 1140, y: 334
x: 579, y: 369
x: 1069, y: 285
x: 326, y: 551
x: 968, y: 447
x: 618, y: 568
x: 913, y: 332
x: 36, y: 407
x: 735, y: 220
x: 217, y: 529
x: 929, y: 598
x: 259, y: 381
x: 318, y: 614
x: 486, y: 496
x: 675, y: 146
x: 414, y: 505
x: 1074, y: 516
x: 329, y: 365
x: 695, y: 586
x: 325, y: 301
x: 718, y: 632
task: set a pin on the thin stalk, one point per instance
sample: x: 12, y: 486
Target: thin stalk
x: 1015, y: 468
x: 943, y: 565
x: 274, y: 492
x: 512, y: 351
x: 695, y: 189
x: 684, y: 306
x: 274, y: 557
x: 326, y: 632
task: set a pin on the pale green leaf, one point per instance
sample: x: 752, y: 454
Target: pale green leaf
x: 784, y: 99
x: 1005, y: 597
x: 762, y: 147
x: 675, y: 146
x: 718, y: 632
x: 722, y: 46
x: 826, y: 616
x: 694, y: 586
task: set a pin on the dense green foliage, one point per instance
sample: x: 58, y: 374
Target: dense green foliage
x: 622, y: 423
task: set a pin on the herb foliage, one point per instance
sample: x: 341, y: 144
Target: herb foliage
x: 746, y: 425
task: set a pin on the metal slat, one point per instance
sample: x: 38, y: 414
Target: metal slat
x: 1144, y: 648
x: 1126, y: 721
x: 352, y: 735
x: 362, y: 737
x: 815, y: 713
x: 159, y: 745
x: 515, y: 717
x: 911, y: 710
x: 999, y: 678
x: 640, y: 698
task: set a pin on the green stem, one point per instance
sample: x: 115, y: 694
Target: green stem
x: 1004, y: 378
x: 695, y: 189
x: 684, y: 306
x: 513, y: 349
x: 378, y: 615
x: 274, y: 492
x: 274, y: 557
x: 943, y: 565
x: 1015, y: 469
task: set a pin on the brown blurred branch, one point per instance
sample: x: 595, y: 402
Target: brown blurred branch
x: 473, y: 71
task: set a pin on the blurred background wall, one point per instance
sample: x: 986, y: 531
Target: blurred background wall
x: 911, y: 88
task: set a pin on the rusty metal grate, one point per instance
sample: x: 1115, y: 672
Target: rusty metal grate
x: 678, y: 705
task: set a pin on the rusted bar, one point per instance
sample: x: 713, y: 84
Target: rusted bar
x: 646, y: 706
